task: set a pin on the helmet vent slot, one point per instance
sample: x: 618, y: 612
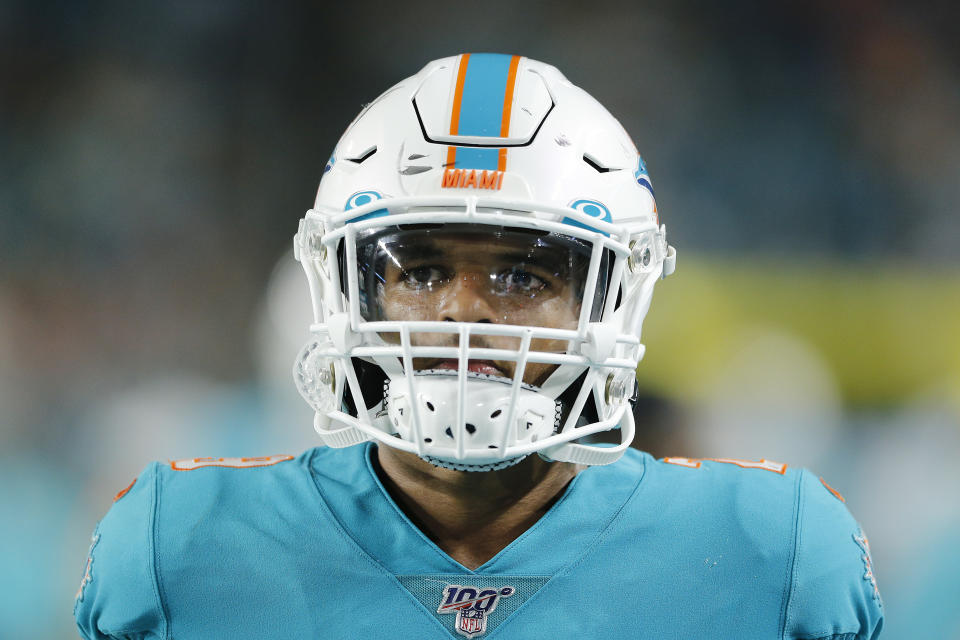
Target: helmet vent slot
x: 593, y: 162
x: 364, y: 156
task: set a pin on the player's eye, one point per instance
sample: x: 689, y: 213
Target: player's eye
x: 425, y: 276
x: 519, y: 281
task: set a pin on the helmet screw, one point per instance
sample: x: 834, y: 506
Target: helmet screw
x: 619, y: 387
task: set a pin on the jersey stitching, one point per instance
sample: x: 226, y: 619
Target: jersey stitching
x: 152, y: 553
x: 801, y: 498
x: 155, y: 552
x: 792, y: 578
x: 514, y: 546
x: 820, y: 635
x: 361, y: 553
x: 604, y: 530
x: 458, y: 568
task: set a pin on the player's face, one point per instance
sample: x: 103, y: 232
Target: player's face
x: 516, y: 279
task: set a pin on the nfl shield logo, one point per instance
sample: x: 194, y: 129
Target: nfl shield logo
x: 470, y: 622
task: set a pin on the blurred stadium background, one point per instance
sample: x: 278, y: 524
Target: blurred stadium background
x: 156, y: 157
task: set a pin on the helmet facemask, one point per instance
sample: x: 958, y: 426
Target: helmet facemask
x: 478, y: 329
x: 499, y: 292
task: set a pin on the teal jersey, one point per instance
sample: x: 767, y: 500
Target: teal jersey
x: 314, y: 547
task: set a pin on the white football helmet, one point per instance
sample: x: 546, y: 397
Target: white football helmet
x: 481, y: 255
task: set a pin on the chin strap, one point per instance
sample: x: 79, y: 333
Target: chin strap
x: 593, y: 455
x: 337, y: 438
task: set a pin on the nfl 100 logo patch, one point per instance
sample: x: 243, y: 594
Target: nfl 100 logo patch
x: 472, y: 606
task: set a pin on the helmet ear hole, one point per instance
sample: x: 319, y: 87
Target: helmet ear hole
x: 566, y: 400
x: 373, y: 386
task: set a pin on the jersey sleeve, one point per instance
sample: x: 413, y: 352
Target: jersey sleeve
x: 833, y: 591
x: 119, y: 595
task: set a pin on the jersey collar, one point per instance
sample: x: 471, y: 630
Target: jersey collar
x: 349, y: 486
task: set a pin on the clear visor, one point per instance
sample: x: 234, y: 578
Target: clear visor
x: 477, y: 274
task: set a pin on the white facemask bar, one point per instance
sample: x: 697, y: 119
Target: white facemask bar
x: 557, y: 447
x: 361, y: 428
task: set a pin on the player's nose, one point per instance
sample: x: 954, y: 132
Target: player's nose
x: 467, y: 300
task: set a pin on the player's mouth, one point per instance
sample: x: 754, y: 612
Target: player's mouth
x: 477, y: 366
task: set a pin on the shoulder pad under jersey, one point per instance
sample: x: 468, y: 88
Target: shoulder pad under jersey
x: 119, y: 594
x: 834, y: 592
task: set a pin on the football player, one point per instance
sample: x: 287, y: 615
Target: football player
x: 481, y: 254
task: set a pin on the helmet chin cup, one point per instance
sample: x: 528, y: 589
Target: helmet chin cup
x: 487, y: 427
